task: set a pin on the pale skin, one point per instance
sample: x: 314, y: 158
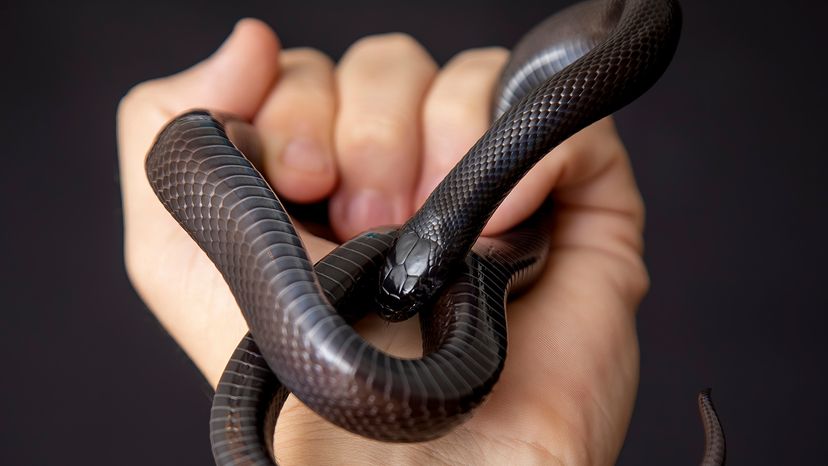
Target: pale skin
x: 375, y: 133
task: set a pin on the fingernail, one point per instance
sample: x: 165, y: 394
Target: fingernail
x: 305, y: 154
x: 369, y: 209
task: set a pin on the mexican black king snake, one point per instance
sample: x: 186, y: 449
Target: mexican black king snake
x: 574, y: 68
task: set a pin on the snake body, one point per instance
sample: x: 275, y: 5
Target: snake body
x: 611, y: 52
x: 572, y: 70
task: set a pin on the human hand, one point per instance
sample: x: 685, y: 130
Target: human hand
x: 385, y: 125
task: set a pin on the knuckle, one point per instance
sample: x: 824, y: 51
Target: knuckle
x: 637, y: 284
x: 637, y: 209
x: 137, y: 95
x: 629, y: 269
x: 402, y: 42
x: 390, y: 43
x: 377, y: 135
x: 141, y: 96
x: 307, y: 55
x: 483, y: 57
x: 627, y: 276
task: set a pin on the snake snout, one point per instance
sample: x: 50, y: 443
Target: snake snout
x: 410, y: 278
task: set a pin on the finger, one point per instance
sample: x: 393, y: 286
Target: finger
x: 456, y: 113
x: 234, y: 79
x: 590, y: 170
x: 296, y: 125
x: 381, y: 84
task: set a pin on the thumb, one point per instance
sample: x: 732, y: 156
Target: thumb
x: 234, y: 79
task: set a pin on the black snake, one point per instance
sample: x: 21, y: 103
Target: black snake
x: 573, y: 69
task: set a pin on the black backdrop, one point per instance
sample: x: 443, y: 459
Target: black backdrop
x: 729, y: 149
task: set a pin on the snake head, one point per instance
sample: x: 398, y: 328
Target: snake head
x: 410, y: 278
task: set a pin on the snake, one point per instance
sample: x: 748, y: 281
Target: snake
x: 571, y: 70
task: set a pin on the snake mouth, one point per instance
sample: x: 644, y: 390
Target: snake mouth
x: 395, y: 309
x: 397, y: 299
x: 407, y: 297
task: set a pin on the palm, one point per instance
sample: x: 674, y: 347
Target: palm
x: 572, y: 350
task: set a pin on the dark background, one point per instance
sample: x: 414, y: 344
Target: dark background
x: 729, y: 149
